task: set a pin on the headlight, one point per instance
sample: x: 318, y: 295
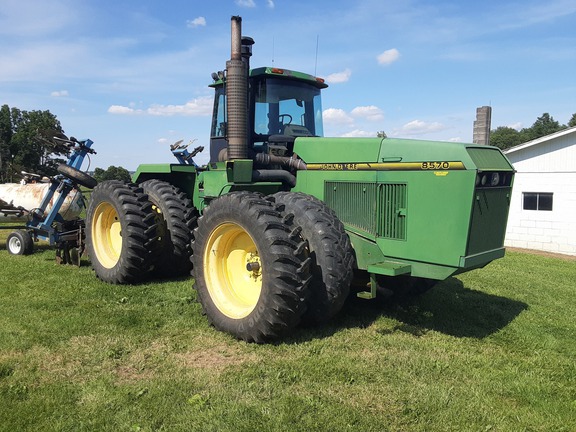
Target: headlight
x: 494, y: 179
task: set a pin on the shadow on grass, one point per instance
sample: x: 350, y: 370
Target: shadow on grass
x: 448, y: 308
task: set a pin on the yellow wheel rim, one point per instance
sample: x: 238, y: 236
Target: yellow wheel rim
x: 106, y: 235
x: 159, y: 219
x: 232, y: 270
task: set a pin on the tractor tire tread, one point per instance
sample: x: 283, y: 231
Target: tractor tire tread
x: 173, y: 257
x: 139, y: 232
x: 330, y: 249
x: 284, y: 281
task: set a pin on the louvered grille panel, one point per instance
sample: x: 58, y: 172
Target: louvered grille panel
x: 378, y: 209
x: 393, y: 220
x: 355, y: 204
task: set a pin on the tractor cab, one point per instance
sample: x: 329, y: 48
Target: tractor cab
x: 282, y: 105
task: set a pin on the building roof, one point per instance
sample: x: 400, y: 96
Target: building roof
x: 546, y: 138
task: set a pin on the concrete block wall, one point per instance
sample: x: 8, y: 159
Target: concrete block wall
x: 552, y: 231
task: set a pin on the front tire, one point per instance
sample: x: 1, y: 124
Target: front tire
x: 120, y: 232
x: 19, y: 242
x: 330, y: 250
x: 251, y: 270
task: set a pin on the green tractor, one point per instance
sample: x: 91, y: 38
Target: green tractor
x: 277, y: 224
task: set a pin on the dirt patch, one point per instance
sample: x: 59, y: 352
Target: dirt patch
x: 130, y: 373
x: 216, y: 357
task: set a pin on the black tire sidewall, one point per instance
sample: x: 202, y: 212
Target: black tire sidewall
x: 330, y: 250
x: 77, y: 176
x: 99, y: 196
x: 133, y: 264
x: 173, y: 255
x: 224, y: 322
x: 280, y: 305
x: 26, y: 242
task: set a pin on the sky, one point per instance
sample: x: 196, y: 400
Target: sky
x: 133, y: 75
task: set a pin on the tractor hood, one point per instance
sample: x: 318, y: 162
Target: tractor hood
x: 338, y: 150
x: 324, y: 151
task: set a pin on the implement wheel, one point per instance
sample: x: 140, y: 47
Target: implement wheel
x: 250, y: 268
x: 176, y: 218
x: 19, y: 242
x: 77, y: 176
x: 120, y: 232
x: 330, y: 250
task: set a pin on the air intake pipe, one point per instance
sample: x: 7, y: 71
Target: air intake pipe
x: 282, y: 176
x: 288, y: 162
x: 237, y: 95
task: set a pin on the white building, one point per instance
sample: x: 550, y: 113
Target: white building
x: 543, y: 206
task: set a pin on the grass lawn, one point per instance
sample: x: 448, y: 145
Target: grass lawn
x: 491, y: 350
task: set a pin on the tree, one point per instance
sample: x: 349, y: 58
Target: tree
x: 112, y: 173
x: 26, y: 143
x: 5, y: 138
x: 544, y: 125
x: 505, y: 137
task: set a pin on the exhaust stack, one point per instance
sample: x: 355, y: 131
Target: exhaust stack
x: 237, y: 95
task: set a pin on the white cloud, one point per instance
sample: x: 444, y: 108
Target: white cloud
x: 195, y: 108
x: 339, y: 77
x: 419, y: 127
x: 336, y: 116
x: 196, y: 22
x: 370, y: 112
x: 246, y: 3
x: 270, y: 4
x: 358, y: 133
x: 388, y: 56
x: 119, y: 109
x: 516, y: 126
x: 59, y: 93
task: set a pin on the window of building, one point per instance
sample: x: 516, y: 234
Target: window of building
x: 537, y: 201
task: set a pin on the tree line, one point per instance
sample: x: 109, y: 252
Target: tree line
x: 27, y: 144
x: 505, y: 137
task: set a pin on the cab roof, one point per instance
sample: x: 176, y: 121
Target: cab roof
x: 281, y: 73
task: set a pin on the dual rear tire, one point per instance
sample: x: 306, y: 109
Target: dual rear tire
x: 134, y: 232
